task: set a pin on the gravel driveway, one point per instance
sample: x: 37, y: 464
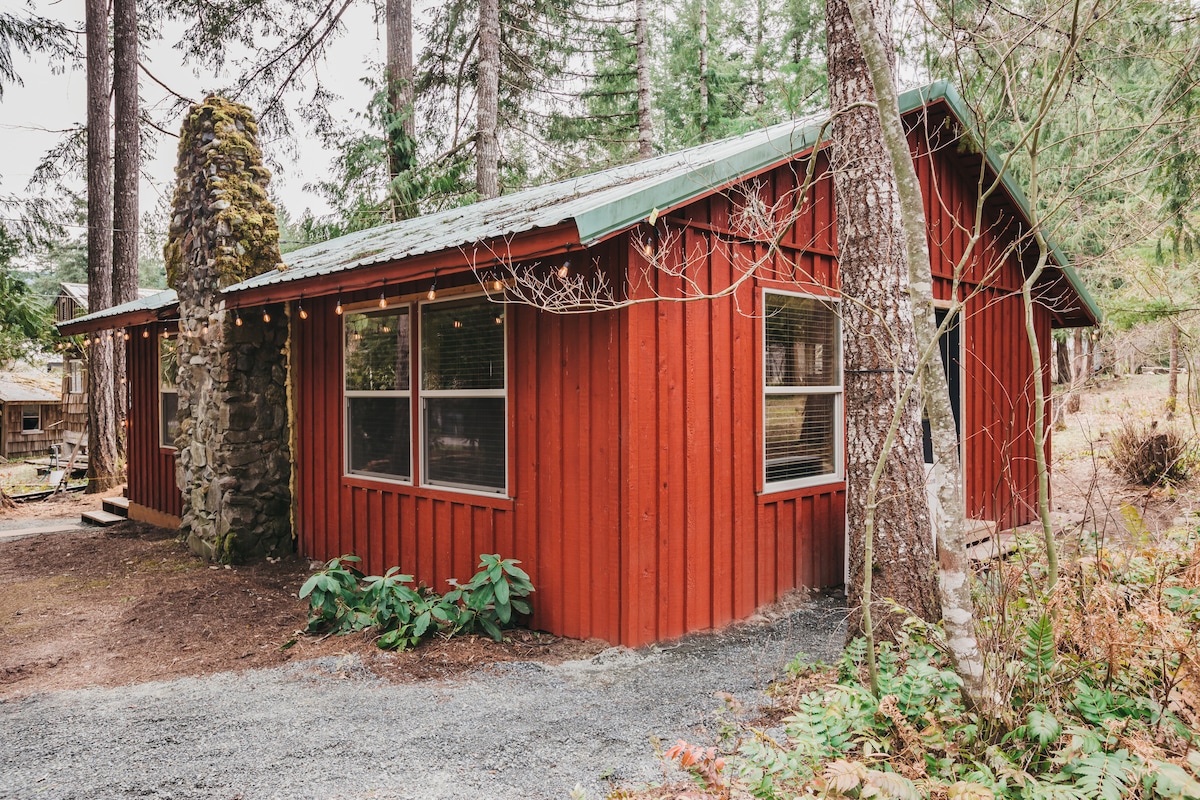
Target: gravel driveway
x: 328, y: 729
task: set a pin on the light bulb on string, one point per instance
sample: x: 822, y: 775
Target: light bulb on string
x: 338, y: 308
x: 383, y: 297
x: 126, y: 336
x: 300, y: 309
x: 564, y: 270
x: 458, y: 323
x: 146, y: 333
x: 432, y: 295
x: 266, y: 315
x: 237, y: 318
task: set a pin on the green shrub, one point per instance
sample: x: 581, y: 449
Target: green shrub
x: 343, y: 600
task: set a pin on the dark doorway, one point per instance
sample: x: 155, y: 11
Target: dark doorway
x: 949, y: 345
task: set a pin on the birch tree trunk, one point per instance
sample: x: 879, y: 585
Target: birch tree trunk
x: 645, y: 129
x: 102, y: 442
x: 949, y: 512
x: 126, y: 175
x: 400, y: 137
x: 880, y: 352
x: 487, y: 145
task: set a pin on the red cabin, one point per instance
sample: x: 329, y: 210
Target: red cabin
x: 660, y: 467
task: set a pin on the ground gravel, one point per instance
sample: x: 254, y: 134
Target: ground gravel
x: 331, y: 729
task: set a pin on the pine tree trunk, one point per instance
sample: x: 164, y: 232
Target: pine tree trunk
x: 102, y: 442
x: 949, y: 510
x: 1062, y: 362
x: 645, y: 129
x: 1078, y: 362
x: 703, y: 37
x: 126, y: 175
x: 402, y: 149
x: 875, y: 287
x: 487, y: 145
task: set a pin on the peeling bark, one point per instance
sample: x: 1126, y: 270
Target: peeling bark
x: 102, y: 422
x: 886, y: 510
x: 487, y: 144
x: 949, y: 512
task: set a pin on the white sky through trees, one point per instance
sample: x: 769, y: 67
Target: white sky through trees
x: 34, y: 116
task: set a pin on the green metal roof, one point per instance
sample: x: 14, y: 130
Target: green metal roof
x: 602, y: 203
x: 148, y: 304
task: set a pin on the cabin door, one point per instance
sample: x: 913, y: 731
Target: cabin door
x: 950, y: 344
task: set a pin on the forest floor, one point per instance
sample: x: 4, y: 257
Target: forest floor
x: 127, y: 604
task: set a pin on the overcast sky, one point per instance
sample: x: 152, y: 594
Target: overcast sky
x: 32, y: 116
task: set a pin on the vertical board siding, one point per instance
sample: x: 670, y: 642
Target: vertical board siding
x: 998, y: 397
x: 563, y: 519
x: 151, y: 467
x: 703, y: 546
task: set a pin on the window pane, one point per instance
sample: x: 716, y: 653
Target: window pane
x: 464, y: 441
x: 379, y: 436
x: 462, y: 345
x: 377, y: 351
x: 801, y: 342
x: 799, y: 436
x: 169, y: 426
x: 31, y: 418
x: 168, y: 361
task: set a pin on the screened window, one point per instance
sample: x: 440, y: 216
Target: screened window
x: 378, y: 393
x: 168, y: 392
x: 463, y: 395
x: 31, y: 419
x: 75, y: 384
x: 802, y: 392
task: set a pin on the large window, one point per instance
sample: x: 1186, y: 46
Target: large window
x: 75, y: 382
x: 447, y: 358
x: 168, y: 392
x: 802, y: 392
x: 378, y: 393
x: 463, y: 395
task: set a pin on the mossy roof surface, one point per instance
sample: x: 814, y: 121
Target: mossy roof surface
x: 606, y: 202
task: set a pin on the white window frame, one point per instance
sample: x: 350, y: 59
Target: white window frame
x: 37, y: 414
x: 162, y: 414
x: 75, y: 377
x: 347, y: 394
x: 838, y: 391
x: 422, y: 394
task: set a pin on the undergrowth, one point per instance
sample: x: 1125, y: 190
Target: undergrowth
x: 343, y: 600
x: 1097, y: 696
x: 1149, y: 455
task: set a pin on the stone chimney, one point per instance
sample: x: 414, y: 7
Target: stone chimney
x: 234, y: 462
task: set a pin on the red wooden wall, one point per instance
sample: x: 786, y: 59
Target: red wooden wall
x: 702, y: 544
x: 151, y: 467
x: 998, y: 389
x: 563, y: 519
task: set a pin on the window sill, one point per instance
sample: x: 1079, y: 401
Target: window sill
x: 465, y: 498
x: 33, y: 432
x: 818, y: 485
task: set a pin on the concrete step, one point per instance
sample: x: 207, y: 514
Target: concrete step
x: 116, y: 505
x: 101, y: 518
x: 997, y: 547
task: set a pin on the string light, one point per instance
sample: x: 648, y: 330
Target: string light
x: 266, y: 315
x: 338, y: 308
x: 237, y: 318
x: 145, y: 333
x: 96, y: 340
x: 499, y: 319
x: 497, y: 285
x: 564, y: 269
x: 300, y: 309
x: 383, y: 296
x: 458, y: 323
x: 126, y: 337
x: 433, y: 287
